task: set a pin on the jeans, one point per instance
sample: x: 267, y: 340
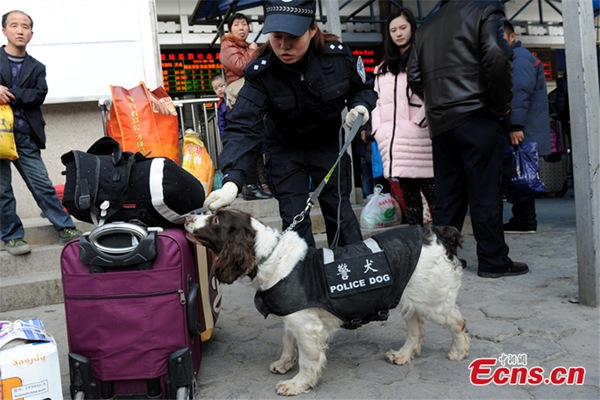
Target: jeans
x: 33, y: 171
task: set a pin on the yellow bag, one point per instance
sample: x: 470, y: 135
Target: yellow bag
x: 8, y: 147
x: 197, y: 161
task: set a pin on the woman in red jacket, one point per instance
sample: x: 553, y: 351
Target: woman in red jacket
x: 236, y: 53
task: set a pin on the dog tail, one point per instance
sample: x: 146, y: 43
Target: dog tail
x: 448, y: 236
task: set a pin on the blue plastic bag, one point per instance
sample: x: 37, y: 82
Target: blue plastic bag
x: 520, y: 171
x: 376, y: 161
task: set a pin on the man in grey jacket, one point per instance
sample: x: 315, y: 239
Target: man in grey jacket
x: 461, y: 67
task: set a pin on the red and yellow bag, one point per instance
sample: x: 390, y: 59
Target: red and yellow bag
x: 137, y: 127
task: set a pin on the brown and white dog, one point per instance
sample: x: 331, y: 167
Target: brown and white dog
x: 247, y: 247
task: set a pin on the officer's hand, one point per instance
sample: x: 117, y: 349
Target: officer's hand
x: 353, y: 114
x: 222, y: 197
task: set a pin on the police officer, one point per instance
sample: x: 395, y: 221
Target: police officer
x: 295, y: 91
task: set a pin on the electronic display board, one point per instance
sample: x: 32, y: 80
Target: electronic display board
x: 548, y: 59
x: 189, y: 71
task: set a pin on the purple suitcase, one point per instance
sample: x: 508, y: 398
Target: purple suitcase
x: 131, y: 302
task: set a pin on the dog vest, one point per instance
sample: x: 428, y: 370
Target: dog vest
x: 358, y: 283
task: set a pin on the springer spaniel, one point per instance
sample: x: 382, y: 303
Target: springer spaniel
x: 431, y: 270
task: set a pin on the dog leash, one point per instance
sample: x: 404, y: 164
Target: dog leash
x: 313, y: 198
x: 197, y: 211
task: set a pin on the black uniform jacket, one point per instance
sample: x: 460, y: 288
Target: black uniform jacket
x: 461, y: 63
x: 30, y: 93
x: 294, y: 106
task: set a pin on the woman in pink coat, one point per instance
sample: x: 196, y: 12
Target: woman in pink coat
x: 398, y: 121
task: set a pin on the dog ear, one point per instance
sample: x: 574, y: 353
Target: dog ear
x: 237, y: 257
x: 450, y: 238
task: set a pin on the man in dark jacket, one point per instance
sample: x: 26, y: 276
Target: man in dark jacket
x: 529, y: 121
x: 461, y: 66
x: 23, y: 87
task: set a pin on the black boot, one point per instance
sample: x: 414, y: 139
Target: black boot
x: 254, y: 192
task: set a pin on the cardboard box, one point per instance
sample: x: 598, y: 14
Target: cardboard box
x: 29, y: 367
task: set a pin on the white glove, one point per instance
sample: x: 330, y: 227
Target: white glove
x: 353, y: 114
x: 222, y: 197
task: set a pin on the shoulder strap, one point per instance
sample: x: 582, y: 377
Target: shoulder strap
x: 87, y: 167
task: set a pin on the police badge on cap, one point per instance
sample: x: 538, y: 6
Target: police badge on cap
x: 289, y: 16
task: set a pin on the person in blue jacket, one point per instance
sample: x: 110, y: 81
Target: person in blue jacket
x: 294, y: 93
x: 529, y: 121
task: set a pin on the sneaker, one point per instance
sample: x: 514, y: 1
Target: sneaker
x: 516, y: 268
x: 513, y: 228
x: 17, y: 247
x: 66, y: 234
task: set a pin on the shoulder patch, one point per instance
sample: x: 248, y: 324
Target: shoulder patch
x: 336, y: 48
x: 360, y: 68
x: 256, y: 66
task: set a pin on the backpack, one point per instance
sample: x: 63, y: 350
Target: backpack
x: 106, y: 184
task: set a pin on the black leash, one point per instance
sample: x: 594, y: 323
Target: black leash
x: 313, y: 198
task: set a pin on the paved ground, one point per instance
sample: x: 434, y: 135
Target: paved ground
x: 530, y: 316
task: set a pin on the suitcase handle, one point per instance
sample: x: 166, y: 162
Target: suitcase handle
x: 118, y: 245
x: 194, y: 326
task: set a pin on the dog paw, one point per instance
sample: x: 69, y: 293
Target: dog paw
x: 289, y: 388
x: 458, y: 352
x: 397, y: 357
x: 282, y: 366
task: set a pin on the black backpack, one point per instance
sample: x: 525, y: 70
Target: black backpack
x: 106, y: 184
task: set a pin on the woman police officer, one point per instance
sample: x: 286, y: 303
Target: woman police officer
x: 295, y: 91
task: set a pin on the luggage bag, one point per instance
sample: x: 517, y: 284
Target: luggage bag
x: 132, y: 311
x: 554, y: 168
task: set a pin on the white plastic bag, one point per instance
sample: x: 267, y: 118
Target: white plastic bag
x: 381, y: 211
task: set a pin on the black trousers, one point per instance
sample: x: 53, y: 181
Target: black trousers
x: 467, y: 162
x: 289, y: 172
x: 523, y: 212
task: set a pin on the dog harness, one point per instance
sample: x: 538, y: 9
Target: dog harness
x: 357, y: 283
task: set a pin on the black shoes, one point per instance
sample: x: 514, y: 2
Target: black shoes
x: 254, y: 192
x: 514, y: 228
x: 517, y: 268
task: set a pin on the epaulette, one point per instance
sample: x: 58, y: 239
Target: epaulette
x: 256, y: 66
x: 337, y: 48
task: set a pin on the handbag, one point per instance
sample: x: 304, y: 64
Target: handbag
x: 133, y: 123
x: 520, y: 171
x: 8, y: 147
x: 231, y: 92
